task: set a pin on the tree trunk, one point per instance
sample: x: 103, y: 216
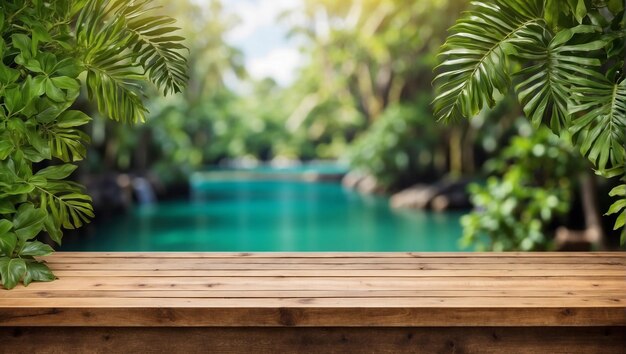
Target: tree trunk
x: 572, y: 240
x: 590, y: 207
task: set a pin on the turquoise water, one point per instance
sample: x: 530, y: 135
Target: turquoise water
x: 250, y: 216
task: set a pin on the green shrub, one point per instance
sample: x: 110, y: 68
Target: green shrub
x: 514, y: 210
x: 48, y: 49
x: 397, y: 147
x: 567, y: 61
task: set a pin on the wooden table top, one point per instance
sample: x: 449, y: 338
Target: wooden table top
x: 324, y: 289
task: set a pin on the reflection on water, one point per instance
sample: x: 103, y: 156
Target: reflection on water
x: 244, y: 215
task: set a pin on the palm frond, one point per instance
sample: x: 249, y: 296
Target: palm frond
x: 555, y: 66
x: 475, y: 62
x: 122, y: 50
x: 601, y: 130
x: 619, y: 208
x: 66, y: 142
x: 156, y: 49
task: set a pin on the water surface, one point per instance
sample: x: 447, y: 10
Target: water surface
x: 262, y: 215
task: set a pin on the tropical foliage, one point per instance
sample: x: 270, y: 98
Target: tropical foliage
x: 360, y: 61
x: 530, y: 186
x: 48, y: 49
x: 566, y: 60
x: 398, y: 147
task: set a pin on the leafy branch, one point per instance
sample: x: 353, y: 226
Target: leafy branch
x: 568, y: 60
x: 45, y: 47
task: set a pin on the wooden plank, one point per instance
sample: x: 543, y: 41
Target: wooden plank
x: 333, y: 273
x: 29, y: 292
x: 339, y: 261
x: 346, y: 266
x: 274, y: 255
x: 337, y: 283
x: 312, y: 317
x: 294, y: 289
x: 602, y: 340
x: 301, y: 302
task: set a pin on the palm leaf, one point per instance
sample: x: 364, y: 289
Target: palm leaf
x: 113, y: 80
x: 66, y: 142
x: 555, y: 66
x: 475, y: 62
x: 122, y: 47
x: 116, y: 87
x: 601, y: 130
x: 619, y: 208
x: 156, y: 49
x: 71, y: 209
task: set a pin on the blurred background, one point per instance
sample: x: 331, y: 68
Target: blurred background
x: 307, y: 126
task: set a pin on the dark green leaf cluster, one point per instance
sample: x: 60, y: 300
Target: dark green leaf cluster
x: 45, y: 48
x: 567, y: 59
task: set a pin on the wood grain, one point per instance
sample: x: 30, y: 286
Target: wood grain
x: 324, y: 289
x: 531, y: 340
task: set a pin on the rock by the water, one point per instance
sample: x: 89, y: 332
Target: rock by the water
x: 415, y: 197
x: 444, y: 195
x: 351, y: 179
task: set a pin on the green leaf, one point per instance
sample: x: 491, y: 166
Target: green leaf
x: 6, y: 148
x: 618, y: 191
x: 6, y: 207
x: 600, y: 123
x: 8, y: 240
x: 23, y: 43
x: 475, y: 62
x: 39, y: 143
x: 48, y: 111
x: 66, y: 142
x: 67, y: 204
x: 28, y: 221
x: 116, y: 92
x: 13, y: 99
x: 37, y: 271
x: 12, y: 271
x: 617, y: 207
x: 545, y: 87
x: 578, y: 9
x: 114, y: 75
x: 71, y: 118
x: 65, y: 82
x: 35, y: 248
x: 53, y: 228
x: 69, y: 67
x: 620, y: 222
x: 8, y: 75
x: 53, y: 92
x: 57, y: 172
x: 552, y: 10
x: 40, y: 35
x: 155, y: 50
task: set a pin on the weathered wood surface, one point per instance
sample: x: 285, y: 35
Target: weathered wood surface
x: 273, y: 340
x: 324, y: 290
